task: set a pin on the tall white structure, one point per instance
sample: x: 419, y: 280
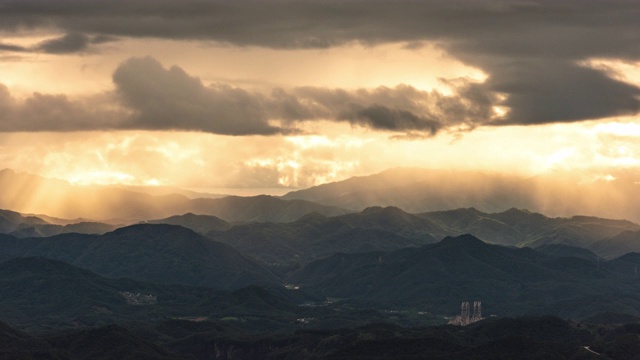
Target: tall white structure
x: 466, y: 317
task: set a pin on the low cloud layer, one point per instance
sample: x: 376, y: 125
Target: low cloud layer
x: 151, y: 97
x: 172, y: 99
x: 66, y: 44
x: 45, y: 112
x: 71, y: 43
x: 531, y: 50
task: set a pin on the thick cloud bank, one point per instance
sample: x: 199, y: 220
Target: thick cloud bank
x: 532, y: 51
x: 151, y: 97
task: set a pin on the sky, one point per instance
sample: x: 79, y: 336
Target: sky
x: 270, y: 96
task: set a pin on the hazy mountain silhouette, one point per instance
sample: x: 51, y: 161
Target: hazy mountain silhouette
x: 260, y: 208
x: 201, y: 224
x: 34, y: 194
x: 34, y: 226
x: 620, y: 244
x: 423, y: 190
x: 314, y: 236
x: 51, y: 230
x: 524, y: 228
x: 11, y: 221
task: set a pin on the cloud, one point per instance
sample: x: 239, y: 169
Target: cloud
x: 149, y: 96
x: 172, y: 99
x: 402, y: 108
x: 531, y: 50
x: 11, y: 47
x: 71, y: 43
x: 65, y: 44
x: 46, y: 112
x: 558, y: 92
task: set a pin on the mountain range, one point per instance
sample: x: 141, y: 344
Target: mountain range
x: 509, y: 281
x: 32, y: 194
x: 314, y: 236
x: 434, y: 277
x: 385, y: 257
x: 413, y: 190
x: 41, y: 294
x: 155, y: 253
x: 423, y: 190
x: 176, y: 322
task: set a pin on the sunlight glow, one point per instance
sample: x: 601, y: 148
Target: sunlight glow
x: 98, y: 177
x: 618, y: 128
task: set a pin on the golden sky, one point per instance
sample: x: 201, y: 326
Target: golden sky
x: 277, y: 95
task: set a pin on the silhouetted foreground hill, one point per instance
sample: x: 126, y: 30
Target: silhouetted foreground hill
x: 434, y: 277
x: 48, y: 295
x: 509, y: 281
x: 39, y: 293
x: 519, y: 338
x: 155, y: 253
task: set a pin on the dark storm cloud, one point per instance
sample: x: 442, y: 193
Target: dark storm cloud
x: 44, y: 112
x: 567, y: 29
x: 402, y: 108
x: 71, y: 43
x: 382, y: 117
x: 172, y: 99
x: 66, y: 44
x: 13, y: 48
x: 531, y: 50
x: 552, y: 91
x: 152, y: 97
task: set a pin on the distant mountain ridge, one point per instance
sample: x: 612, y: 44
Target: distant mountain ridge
x: 11, y: 221
x: 419, y: 190
x: 516, y: 227
x: 19, y: 225
x: 26, y: 193
x: 381, y: 229
x: 315, y: 235
x: 202, y: 224
x: 619, y: 244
